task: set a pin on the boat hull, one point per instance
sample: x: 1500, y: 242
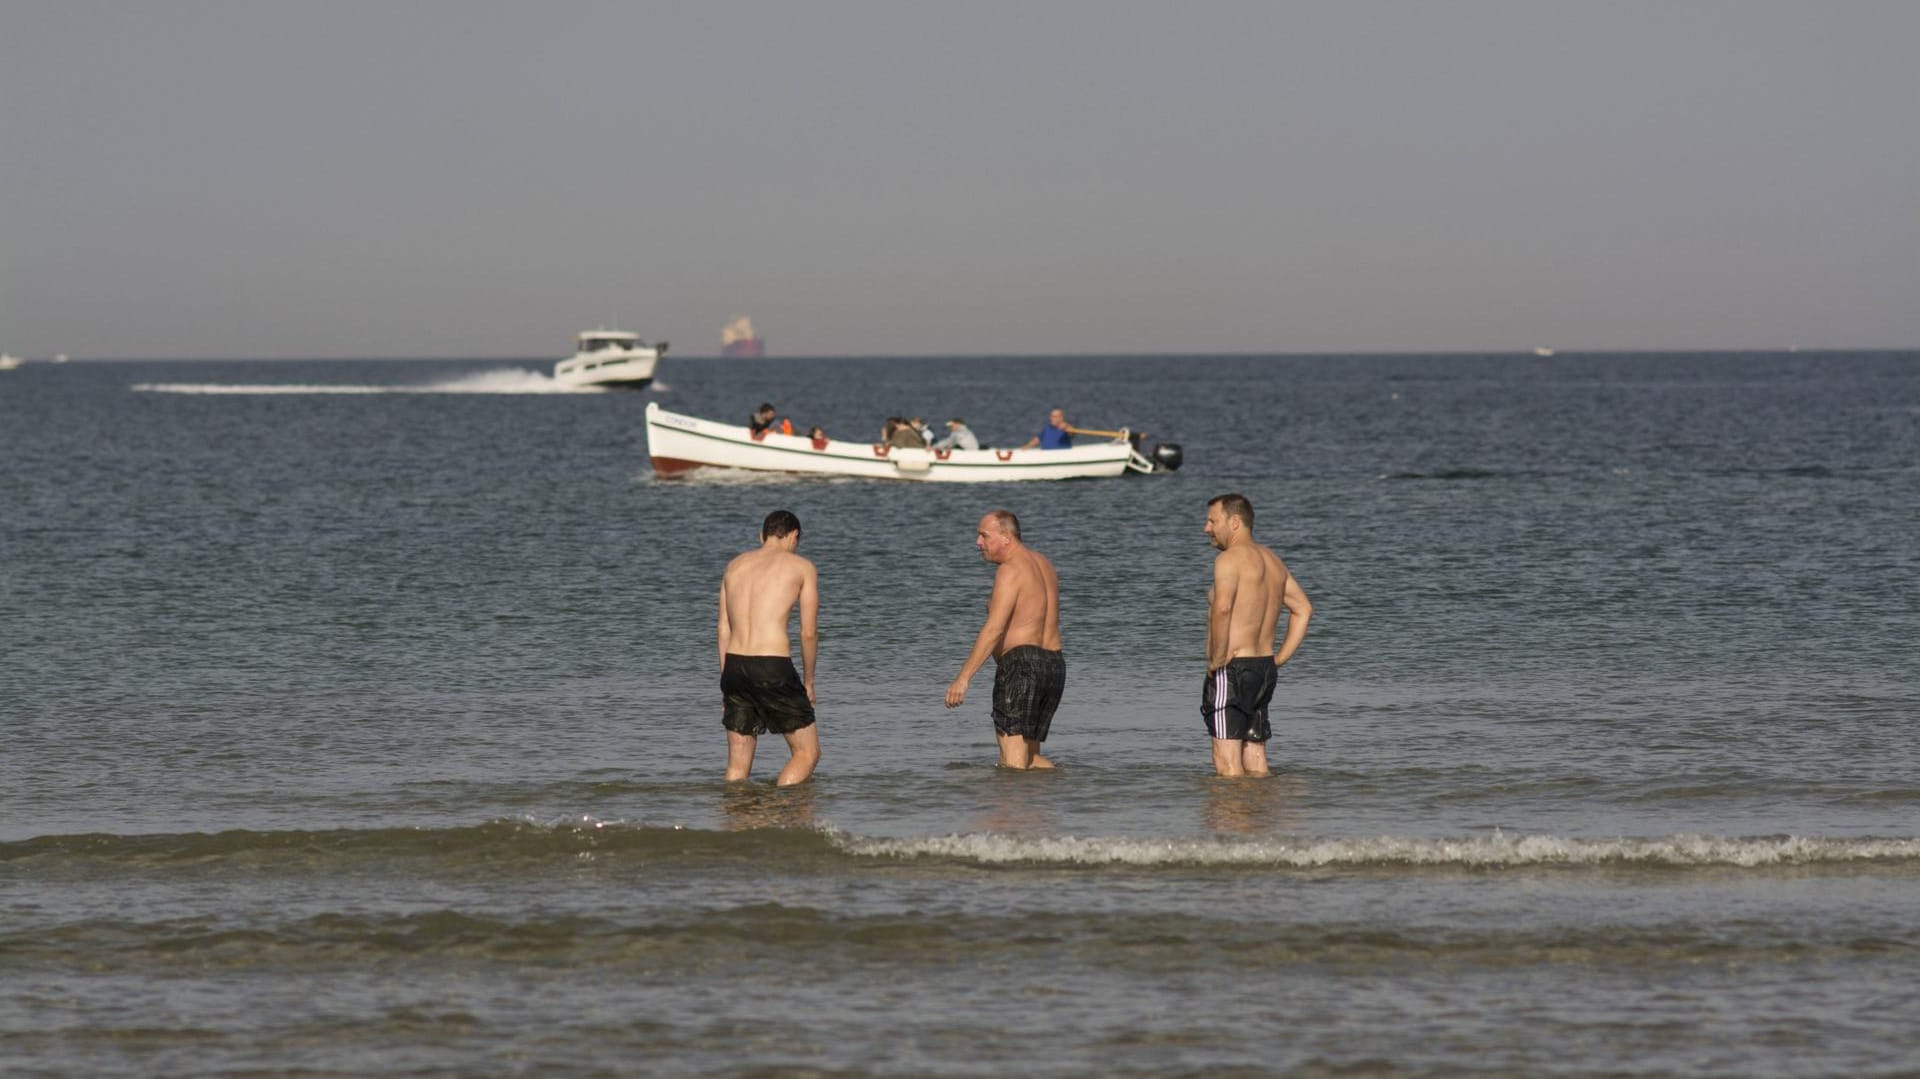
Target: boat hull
x: 609, y: 369
x: 678, y: 443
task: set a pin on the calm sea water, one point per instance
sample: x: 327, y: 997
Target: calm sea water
x: 360, y: 718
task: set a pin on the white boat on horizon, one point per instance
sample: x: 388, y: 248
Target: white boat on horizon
x: 8, y: 361
x: 678, y: 443
x: 614, y: 359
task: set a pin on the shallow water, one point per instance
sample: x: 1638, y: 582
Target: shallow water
x: 360, y: 719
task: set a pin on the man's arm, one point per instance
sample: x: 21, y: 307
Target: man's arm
x: 1226, y: 585
x: 1299, y: 609
x: 809, y: 626
x: 999, y: 614
x: 724, y: 631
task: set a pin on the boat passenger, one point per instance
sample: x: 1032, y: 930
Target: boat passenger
x: 1055, y: 435
x: 899, y: 433
x: 959, y: 437
x: 763, y: 421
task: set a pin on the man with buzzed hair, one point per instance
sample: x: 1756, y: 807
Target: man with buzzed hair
x: 1022, y: 634
x: 1250, y: 588
x: 761, y: 690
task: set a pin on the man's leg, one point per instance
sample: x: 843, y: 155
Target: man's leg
x: 1227, y: 754
x: 805, y: 746
x: 1253, y: 759
x: 1034, y: 759
x: 739, y: 755
x: 1015, y: 751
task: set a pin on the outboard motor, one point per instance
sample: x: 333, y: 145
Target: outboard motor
x: 1167, y: 455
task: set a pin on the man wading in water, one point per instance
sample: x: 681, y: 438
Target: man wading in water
x: 1022, y: 634
x: 1250, y: 587
x: 762, y: 692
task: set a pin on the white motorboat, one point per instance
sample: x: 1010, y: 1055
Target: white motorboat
x: 8, y: 361
x: 612, y: 358
x: 678, y: 443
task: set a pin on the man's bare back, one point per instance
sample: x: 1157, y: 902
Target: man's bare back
x: 1253, y: 580
x: 1027, y: 581
x: 762, y: 692
x: 1022, y: 636
x: 761, y: 589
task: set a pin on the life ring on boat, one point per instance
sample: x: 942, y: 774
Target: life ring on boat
x: 941, y: 455
x: 881, y: 449
x: 1004, y: 455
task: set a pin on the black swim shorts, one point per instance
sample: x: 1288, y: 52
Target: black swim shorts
x: 764, y: 695
x: 1027, y: 683
x: 1234, y: 702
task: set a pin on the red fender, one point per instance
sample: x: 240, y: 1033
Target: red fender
x: 941, y: 455
x: 881, y: 449
x: 1004, y: 455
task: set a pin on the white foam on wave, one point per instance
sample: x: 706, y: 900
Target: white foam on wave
x: 513, y: 381
x: 1495, y: 851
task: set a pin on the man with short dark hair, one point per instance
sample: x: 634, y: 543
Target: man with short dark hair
x: 1022, y: 634
x: 762, y: 419
x: 761, y: 690
x: 1251, y: 586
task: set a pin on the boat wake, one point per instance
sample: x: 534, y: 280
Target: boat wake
x: 740, y: 477
x: 511, y: 381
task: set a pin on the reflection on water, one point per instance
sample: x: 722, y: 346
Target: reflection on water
x: 763, y: 805
x: 1018, y: 802
x: 1250, y: 806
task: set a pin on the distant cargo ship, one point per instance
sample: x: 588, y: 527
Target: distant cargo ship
x: 738, y: 339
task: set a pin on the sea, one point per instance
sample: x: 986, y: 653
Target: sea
x: 360, y: 718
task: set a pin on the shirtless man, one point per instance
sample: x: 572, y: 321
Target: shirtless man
x: 1250, y: 587
x: 762, y: 691
x: 1022, y: 634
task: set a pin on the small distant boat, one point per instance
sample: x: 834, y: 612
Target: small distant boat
x: 678, y: 443
x: 738, y: 341
x: 612, y: 358
x: 1543, y: 351
x: 8, y: 361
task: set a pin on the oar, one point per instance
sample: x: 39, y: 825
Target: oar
x: 1072, y: 430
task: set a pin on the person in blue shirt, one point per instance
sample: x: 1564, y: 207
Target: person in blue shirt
x: 1056, y: 435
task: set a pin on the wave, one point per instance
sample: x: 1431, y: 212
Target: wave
x: 505, y: 843
x: 1488, y: 852
x: 510, y: 381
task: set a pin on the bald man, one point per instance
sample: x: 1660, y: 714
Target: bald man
x: 1022, y: 634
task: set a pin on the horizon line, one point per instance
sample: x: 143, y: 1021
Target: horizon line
x: 1527, y: 353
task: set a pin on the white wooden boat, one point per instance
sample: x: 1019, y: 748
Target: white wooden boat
x: 678, y: 443
x: 614, y: 359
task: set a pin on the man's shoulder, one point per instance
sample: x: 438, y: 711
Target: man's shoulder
x: 1238, y: 558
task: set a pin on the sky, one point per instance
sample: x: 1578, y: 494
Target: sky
x: 477, y: 178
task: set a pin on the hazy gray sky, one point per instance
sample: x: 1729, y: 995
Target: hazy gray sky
x: 477, y: 178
